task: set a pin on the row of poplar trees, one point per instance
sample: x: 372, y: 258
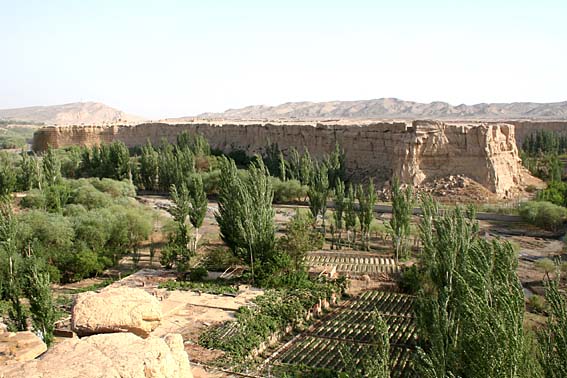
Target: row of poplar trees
x: 470, y: 306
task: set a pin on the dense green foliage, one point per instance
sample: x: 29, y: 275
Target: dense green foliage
x: 542, y: 142
x: 553, y: 338
x: 366, y: 201
x: 188, y: 204
x: 178, y: 252
x: 23, y: 273
x: 80, y: 227
x: 14, y: 137
x: 318, y: 193
x: 299, y: 239
x: 399, y: 225
x: 209, y: 287
x: 375, y: 361
x: 271, y: 313
x: 471, y: 306
x: 246, y: 216
x: 543, y: 214
x: 42, y: 307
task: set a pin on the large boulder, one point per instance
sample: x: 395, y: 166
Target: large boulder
x: 116, y: 310
x: 19, y: 346
x: 117, y: 355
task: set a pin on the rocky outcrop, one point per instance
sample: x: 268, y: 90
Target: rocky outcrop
x: 19, y: 346
x: 415, y: 152
x: 118, y: 355
x: 115, y: 310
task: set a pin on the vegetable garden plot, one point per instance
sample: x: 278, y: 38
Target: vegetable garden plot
x: 349, y: 328
x: 357, y: 326
x: 317, y: 353
x: 354, y: 263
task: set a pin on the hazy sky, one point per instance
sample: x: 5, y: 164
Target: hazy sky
x: 175, y: 58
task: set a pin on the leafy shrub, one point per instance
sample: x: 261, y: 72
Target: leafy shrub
x: 288, y: 191
x: 556, y: 193
x: 91, y: 231
x: 537, y: 304
x: 220, y: 259
x: 198, y: 274
x: 211, y: 181
x: 410, y: 280
x: 210, y: 287
x: 113, y: 187
x: 543, y: 214
x: 271, y: 313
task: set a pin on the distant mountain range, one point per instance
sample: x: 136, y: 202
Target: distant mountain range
x: 393, y: 108
x: 88, y: 113
x: 94, y: 113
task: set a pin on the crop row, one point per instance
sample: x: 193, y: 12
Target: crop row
x: 357, y: 326
x: 384, y: 302
x: 349, y: 259
x: 328, y: 354
x: 355, y: 264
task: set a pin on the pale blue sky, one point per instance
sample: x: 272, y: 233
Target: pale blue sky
x: 175, y: 58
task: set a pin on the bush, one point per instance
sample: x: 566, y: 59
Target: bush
x: 536, y: 303
x: 410, y: 280
x: 543, y: 214
x: 211, y: 181
x: 198, y: 274
x: 89, y: 231
x: 288, y: 191
x: 114, y: 188
x: 220, y: 259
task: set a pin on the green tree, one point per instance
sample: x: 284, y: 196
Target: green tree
x: 294, y: 163
x: 119, y: 161
x: 299, y: 239
x: 318, y: 193
x: 8, y: 180
x: 553, y: 338
x: 51, y: 167
x: 42, y: 308
x: 374, y: 360
x: 180, y: 208
x: 198, y: 208
x: 306, y: 168
x: 366, y: 201
x: 282, y: 167
x: 399, y: 225
x: 338, y: 215
x: 10, y: 268
x: 350, y: 214
x: 470, y: 308
x: 29, y: 173
x: 336, y: 166
x: 149, y: 166
x: 246, y: 216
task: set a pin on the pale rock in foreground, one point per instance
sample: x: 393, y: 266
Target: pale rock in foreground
x: 116, y: 310
x: 19, y: 346
x: 117, y: 355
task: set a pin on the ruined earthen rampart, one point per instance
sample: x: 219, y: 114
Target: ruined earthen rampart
x: 415, y: 152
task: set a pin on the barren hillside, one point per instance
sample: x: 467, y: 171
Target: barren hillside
x: 70, y: 114
x: 392, y: 108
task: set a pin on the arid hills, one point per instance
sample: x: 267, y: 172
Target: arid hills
x: 95, y: 113
x: 74, y: 113
x: 393, y: 108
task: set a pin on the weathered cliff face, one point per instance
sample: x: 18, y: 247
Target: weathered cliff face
x: 416, y: 152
